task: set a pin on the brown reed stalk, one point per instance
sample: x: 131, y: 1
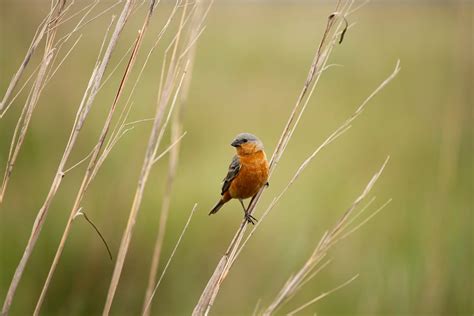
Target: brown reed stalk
x: 83, y: 111
x: 331, y: 33
x: 146, y: 168
x: 323, y: 295
x: 38, y: 85
x: 174, y: 78
x: 60, y: 42
x: 176, y: 130
x: 88, y: 9
x: 328, y: 240
x: 332, y: 137
x: 44, y: 27
x: 121, y: 127
x: 43, y: 77
x: 94, y: 159
x: 146, y: 308
x: 235, y: 248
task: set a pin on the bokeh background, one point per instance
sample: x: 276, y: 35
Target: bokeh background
x: 414, y: 258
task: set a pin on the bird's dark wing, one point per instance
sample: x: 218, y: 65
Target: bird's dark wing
x: 234, y: 168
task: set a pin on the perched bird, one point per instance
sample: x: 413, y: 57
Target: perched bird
x: 248, y: 173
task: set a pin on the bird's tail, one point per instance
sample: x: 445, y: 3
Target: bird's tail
x: 217, y: 207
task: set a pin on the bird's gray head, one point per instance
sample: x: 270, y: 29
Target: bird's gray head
x: 247, y: 139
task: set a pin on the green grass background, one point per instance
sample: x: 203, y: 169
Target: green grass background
x: 415, y: 258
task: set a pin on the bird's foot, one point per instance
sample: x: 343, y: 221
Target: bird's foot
x: 250, y: 219
x: 267, y: 184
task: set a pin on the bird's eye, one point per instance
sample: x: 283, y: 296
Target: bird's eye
x: 244, y: 140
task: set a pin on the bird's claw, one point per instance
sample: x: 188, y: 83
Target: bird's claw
x: 250, y: 219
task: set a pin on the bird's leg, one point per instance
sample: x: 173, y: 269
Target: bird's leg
x: 247, y: 215
x: 250, y: 203
x: 243, y: 206
x: 267, y: 184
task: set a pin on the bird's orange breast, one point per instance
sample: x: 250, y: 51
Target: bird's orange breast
x: 253, y: 174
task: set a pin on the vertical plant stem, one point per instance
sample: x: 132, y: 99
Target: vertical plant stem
x: 211, y: 290
x: 38, y: 85
x: 153, y: 143
x: 147, y: 304
x: 42, y: 29
x: 93, y: 165
x: 295, y: 282
x: 84, y: 108
x: 176, y: 131
x: 146, y: 168
x: 22, y: 125
x: 165, y: 208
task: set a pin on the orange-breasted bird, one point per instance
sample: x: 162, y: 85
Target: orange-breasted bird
x: 248, y: 173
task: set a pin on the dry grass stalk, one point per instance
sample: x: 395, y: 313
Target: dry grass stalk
x: 44, y: 75
x: 121, y: 128
x: 48, y: 68
x: 38, y: 85
x: 84, y: 108
x: 174, y: 77
x: 176, y: 130
x: 318, y: 66
x: 146, y: 168
x: 332, y: 137
x: 45, y: 26
x: 323, y: 295
x: 327, y: 241
x: 93, y: 166
x: 146, y: 308
x: 330, y: 35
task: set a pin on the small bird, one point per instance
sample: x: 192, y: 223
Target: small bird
x: 248, y: 173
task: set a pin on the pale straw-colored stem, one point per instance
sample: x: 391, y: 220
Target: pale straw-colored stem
x: 150, y: 155
x: 209, y: 293
x: 309, y: 269
x: 93, y: 163
x: 45, y: 26
x: 148, y: 302
x: 32, y: 101
x: 83, y: 111
x: 176, y: 130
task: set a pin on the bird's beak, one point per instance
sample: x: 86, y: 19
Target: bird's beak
x: 235, y: 143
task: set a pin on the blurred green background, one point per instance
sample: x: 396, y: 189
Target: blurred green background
x: 415, y: 258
